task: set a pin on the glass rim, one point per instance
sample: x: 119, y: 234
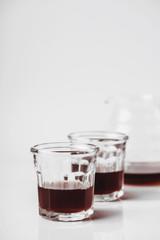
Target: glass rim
x: 64, y: 147
x: 107, y: 137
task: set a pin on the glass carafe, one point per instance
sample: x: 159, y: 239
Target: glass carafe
x: 138, y: 117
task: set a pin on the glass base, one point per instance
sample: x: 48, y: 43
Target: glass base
x: 108, y: 197
x: 66, y: 217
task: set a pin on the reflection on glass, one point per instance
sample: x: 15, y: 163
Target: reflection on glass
x: 60, y: 230
x: 108, y: 221
x: 106, y: 224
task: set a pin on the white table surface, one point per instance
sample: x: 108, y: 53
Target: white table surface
x: 135, y: 216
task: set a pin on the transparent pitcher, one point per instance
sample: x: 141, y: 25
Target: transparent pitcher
x: 138, y: 117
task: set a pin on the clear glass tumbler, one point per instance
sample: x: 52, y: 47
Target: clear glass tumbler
x: 109, y: 178
x: 66, y: 175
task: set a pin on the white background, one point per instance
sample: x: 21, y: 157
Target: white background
x: 59, y: 61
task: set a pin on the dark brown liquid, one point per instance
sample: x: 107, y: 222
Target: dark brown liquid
x: 65, y: 200
x: 108, y: 182
x: 143, y: 174
x: 142, y: 179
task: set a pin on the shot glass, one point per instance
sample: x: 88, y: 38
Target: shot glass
x: 66, y: 177
x: 109, y: 179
